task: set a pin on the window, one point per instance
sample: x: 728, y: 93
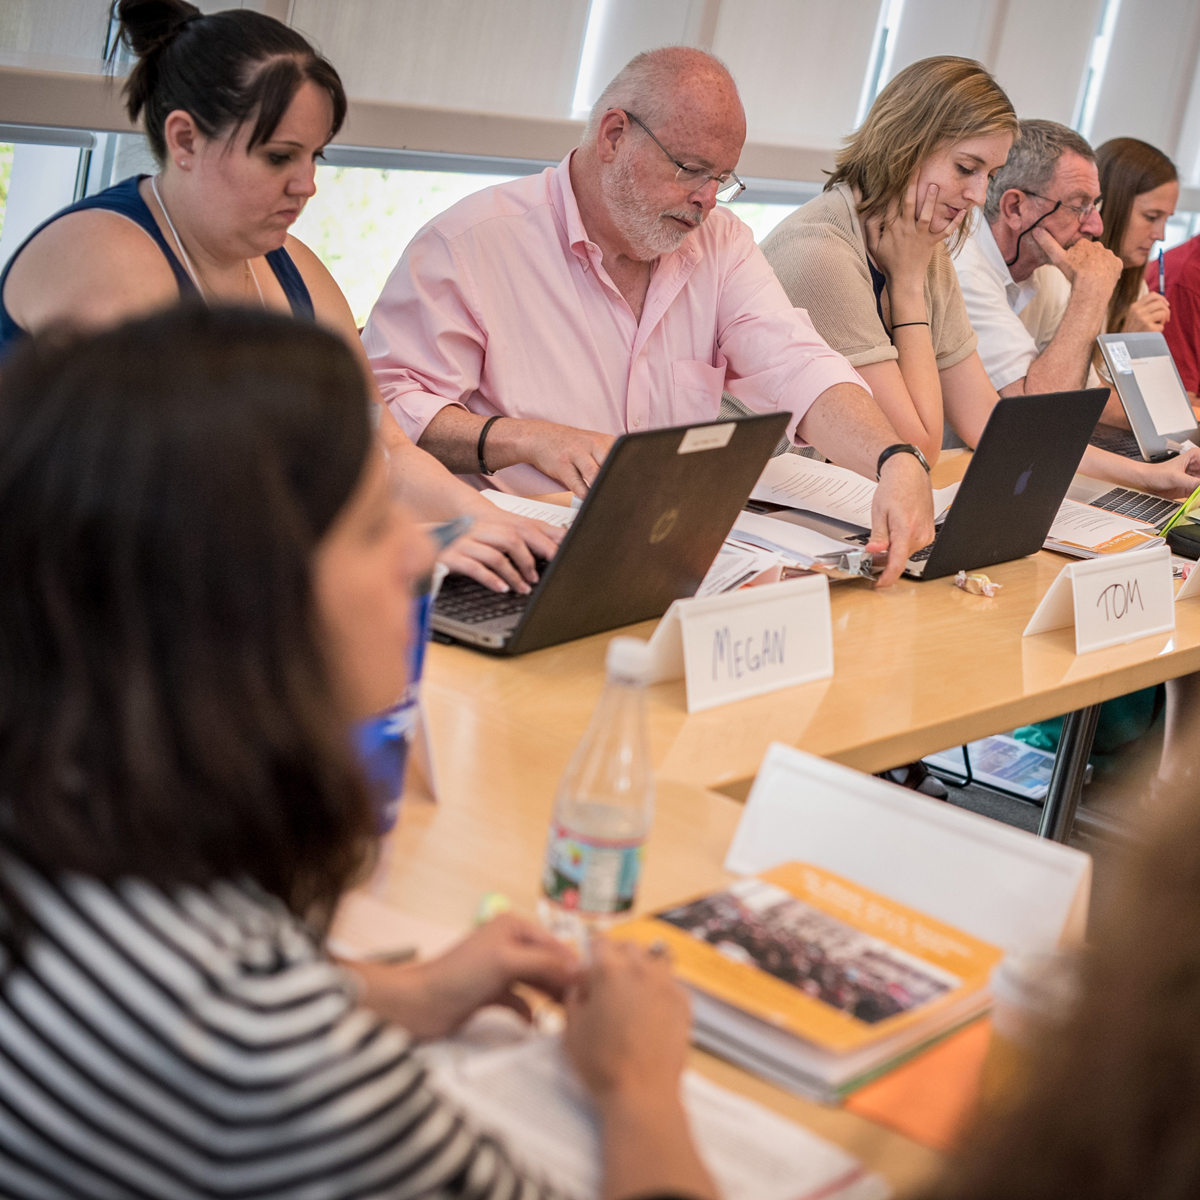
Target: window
x: 1093, y: 73
x: 361, y: 219
x: 879, y: 65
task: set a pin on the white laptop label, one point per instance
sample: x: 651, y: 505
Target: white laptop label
x: 1120, y: 357
x: 1110, y: 600
x: 745, y: 643
x: 706, y: 437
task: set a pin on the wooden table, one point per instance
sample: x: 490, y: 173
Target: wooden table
x: 488, y: 833
x: 919, y: 667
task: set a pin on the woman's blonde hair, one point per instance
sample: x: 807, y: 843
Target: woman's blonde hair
x: 930, y: 104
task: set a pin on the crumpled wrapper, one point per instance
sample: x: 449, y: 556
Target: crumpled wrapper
x: 977, y: 585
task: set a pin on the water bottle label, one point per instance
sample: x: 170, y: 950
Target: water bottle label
x: 591, y: 875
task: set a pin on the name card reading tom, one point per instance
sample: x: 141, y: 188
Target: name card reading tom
x: 1110, y: 600
x: 744, y: 643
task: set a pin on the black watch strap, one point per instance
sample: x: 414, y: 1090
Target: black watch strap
x: 483, y: 470
x: 900, y: 448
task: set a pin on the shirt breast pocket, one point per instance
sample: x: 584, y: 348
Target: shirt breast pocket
x: 697, y: 391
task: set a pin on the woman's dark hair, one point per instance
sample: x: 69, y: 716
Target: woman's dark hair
x: 223, y: 69
x: 165, y: 706
x: 1112, y: 1110
x: 1128, y: 168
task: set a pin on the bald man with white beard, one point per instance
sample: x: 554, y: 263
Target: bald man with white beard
x: 535, y: 321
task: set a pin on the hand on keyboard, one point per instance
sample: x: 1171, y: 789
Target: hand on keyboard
x: 501, y: 552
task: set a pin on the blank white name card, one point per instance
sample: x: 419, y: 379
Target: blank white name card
x: 1191, y: 585
x: 1112, y: 599
x: 744, y: 643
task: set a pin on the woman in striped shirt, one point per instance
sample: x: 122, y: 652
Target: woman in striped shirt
x: 206, y: 577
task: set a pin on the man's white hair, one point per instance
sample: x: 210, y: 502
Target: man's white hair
x: 647, y: 84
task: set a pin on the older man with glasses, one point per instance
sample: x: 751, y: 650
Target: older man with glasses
x: 532, y: 323
x: 1041, y: 214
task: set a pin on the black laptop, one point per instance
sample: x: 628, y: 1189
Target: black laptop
x: 649, y: 529
x: 1016, y: 481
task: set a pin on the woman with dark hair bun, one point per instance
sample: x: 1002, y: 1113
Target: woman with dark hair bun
x: 237, y: 107
x: 207, y: 578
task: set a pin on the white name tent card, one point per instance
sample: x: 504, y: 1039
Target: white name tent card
x: 744, y: 643
x: 1110, y: 600
x: 1191, y: 585
x: 997, y: 883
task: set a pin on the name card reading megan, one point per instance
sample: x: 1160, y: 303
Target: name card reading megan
x: 1110, y: 600
x: 744, y: 643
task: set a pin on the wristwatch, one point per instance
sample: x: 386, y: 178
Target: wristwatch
x: 900, y: 448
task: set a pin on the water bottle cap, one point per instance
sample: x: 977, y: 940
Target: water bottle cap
x: 628, y: 658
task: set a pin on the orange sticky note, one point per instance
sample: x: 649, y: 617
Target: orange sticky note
x: 931, y: 1097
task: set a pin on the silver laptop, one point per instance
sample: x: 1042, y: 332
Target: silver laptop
x: 1127, y: 501
x: 1152, y: 395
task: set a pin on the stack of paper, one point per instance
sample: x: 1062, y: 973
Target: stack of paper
x: 539, y: 510
x: 528, y: 1096
x: 815, y: 982
x: 754, y: 552
x: 793, y: 481
x: 1086, y: 532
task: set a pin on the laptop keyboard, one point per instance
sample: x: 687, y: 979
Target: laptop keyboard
x: 1116, y: 441
x: 1137, y: 505
x: 462, y: 599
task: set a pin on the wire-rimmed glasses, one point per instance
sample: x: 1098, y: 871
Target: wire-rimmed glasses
x: 692, y: 177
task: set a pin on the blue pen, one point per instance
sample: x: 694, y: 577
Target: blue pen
x: 1162, y: 274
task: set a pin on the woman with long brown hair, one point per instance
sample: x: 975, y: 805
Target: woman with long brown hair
x: 1140, y: 187
x: 207, y: 579
x: 868, y: 258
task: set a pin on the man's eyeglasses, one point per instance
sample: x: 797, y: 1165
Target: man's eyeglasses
x: 694, y: 178
x: 1082, y: 211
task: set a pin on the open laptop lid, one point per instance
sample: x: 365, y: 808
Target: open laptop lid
x: 1151, y: 391
x: 1024, y: 463
x: 649, y: 529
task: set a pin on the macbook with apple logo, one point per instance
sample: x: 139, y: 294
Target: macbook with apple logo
x: 1017, y: 479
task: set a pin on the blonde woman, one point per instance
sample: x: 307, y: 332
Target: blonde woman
x: 870, y: 257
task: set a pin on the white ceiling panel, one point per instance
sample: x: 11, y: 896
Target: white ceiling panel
x: 800, y: 65
x: 519, y: 56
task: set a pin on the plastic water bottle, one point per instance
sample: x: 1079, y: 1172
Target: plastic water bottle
x: 604, y: 807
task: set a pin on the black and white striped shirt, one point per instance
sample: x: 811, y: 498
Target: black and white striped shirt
x: 202, y: 1045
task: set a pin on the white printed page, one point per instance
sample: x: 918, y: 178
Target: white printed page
x: 1166, y: 401
x: 819, y: 487
x: 529, y: 1096
x: 797, y: 543
x: 735, y: 566
x: 1083, y: 525
x: 523, y: 506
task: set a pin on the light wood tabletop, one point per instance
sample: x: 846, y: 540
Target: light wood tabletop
x: 487, y: 833
x: 918, y: 667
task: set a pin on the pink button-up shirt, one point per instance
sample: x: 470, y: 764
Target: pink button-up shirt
x: 502, y: 305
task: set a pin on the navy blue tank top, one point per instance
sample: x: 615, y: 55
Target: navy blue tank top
x: 124, y: 198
